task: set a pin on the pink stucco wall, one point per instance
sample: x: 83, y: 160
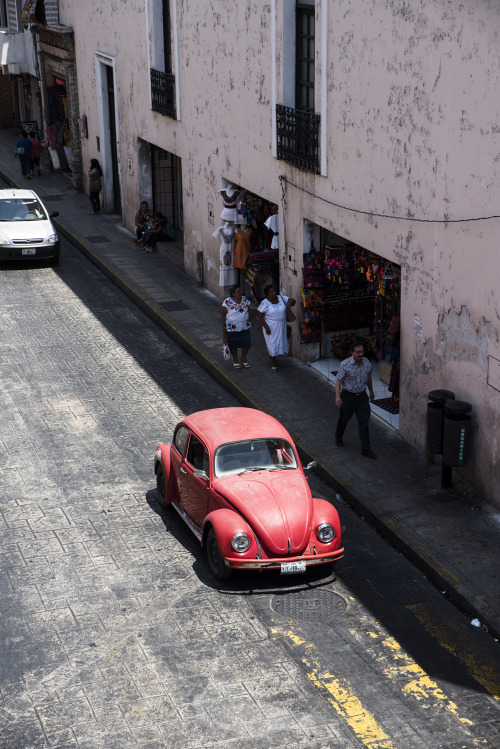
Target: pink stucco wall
x: 411, y: 122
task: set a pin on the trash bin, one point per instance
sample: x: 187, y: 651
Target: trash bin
x: 435, y: 419
x: 456, y: 432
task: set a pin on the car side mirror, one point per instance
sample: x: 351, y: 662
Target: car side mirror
x: 199, y: 473
x: 54, y: 214
x: 310, y: 465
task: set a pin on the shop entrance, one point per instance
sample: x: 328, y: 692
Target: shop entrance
x: 167, y: 186
x: 359, y: 295
x: 58, y: 133
x: 261, y: 265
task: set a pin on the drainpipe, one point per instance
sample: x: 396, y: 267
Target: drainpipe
x: 43, y: 94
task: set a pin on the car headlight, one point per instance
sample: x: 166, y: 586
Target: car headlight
x: 4, y: 240
x: 325, y: 533
x: 240, y: 542
x: 52, y: 239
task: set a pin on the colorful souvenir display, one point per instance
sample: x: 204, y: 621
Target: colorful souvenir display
x: 313, y: 279
x: 310, y: 333
x: 312, y: 314
x: 312, y: 297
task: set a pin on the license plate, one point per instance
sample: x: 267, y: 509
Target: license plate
x: 29, y: 251
x: 290, y: 568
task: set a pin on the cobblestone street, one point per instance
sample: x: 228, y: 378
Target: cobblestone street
x: 110, y: 636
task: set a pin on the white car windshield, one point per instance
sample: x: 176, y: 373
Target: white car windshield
x: 254, y: 455
x: 21, y: 209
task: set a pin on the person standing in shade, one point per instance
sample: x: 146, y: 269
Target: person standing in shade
x: 95, y: 185
x: 236, y: 321
x: 272, y: 312
x: 23, y: 152
x: 354, y: 375
x: 35, y: 155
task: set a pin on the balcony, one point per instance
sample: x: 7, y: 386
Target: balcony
x: 163, y: 93
x: 298, y: 138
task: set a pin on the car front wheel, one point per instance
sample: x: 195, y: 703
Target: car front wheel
x: 215, y: 561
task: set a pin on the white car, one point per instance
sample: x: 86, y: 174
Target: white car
x: 26, y: 231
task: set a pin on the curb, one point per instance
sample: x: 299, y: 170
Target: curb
x: 361, y: 503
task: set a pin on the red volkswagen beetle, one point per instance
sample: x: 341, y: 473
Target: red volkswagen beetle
x: 234, y: 476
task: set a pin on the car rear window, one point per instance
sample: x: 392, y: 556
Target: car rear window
x: 247, y: 455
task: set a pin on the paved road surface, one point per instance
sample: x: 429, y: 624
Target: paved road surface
x: 114, y: 633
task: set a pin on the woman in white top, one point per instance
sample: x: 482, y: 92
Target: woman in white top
x: 236, y: 321
x: 272, y: 315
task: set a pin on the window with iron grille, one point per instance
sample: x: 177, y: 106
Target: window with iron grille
x: 163, y: 81
x: 304, y: 62
x: 163, y: 93
x: 167, y: 36
x: 298, y: 137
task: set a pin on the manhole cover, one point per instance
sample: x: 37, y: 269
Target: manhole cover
x: 175, y: 306
x: 310, y: 605
x: 98, y: 239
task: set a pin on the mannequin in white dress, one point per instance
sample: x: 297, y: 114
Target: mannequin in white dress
x: 231, y: 196
x: 226, y: 235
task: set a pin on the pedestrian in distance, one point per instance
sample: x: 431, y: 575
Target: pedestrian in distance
x: 95, y: 186
x: 354, y: 376
x: 141, y: 220
x: 272, y: 312
x: 35, y: 154
x: 23, y: 153
x: 236, y: 321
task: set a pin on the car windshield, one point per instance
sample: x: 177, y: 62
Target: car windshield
x: 21, y: 209
x: 254, y: 455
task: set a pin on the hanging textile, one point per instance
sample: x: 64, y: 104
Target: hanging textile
x: 29, y: 11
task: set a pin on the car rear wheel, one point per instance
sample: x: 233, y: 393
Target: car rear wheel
x: 215, y: 561
x: 161, y: 488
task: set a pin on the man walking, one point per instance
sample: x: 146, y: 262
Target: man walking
x: 354, y: 375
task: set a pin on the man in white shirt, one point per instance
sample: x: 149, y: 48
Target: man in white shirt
x: 354, y: 375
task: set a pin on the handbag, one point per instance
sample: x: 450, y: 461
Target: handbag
x: 290, y: 317
x: 19, y: 150
x: 225, y: 352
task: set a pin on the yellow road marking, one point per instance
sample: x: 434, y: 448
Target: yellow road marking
x: 456, y: 642
x: 340, y: 694
x: 399, y: 665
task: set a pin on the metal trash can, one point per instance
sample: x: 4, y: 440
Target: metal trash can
x: 435, y: 419
x: 456, y: 432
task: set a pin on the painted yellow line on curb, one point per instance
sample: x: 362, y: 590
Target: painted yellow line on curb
x: 397, y: 664
x: 340, y: 694
x: 455, y: 641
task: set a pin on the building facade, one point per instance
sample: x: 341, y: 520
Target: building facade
x: 371, y: 129
x: 38, y: 86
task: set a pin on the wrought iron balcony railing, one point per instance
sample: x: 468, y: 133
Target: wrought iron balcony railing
x: 298, y: 137
x: 163, y: 93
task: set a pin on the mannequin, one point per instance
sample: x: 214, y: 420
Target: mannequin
x: 242, y: 249
x: 272, y: 223
x: 227, y: 272
x: 230, y: 197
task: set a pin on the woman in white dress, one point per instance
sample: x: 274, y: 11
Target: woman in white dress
x: 272, y: 315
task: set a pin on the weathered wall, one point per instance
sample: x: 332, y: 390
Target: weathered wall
x: 412, y: 113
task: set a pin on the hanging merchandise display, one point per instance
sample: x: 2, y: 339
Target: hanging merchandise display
x: 227, y: 273
x: 251, y: 256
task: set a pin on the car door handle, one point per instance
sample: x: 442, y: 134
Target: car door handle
x: 183, y: 470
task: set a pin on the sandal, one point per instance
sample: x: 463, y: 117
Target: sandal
x: 246, y: 364
x: 274, y: 369
x: 237, y: 366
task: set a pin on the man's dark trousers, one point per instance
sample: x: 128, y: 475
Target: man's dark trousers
x: 359, y: 405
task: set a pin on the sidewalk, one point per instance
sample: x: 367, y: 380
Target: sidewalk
x: 453, y: 535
